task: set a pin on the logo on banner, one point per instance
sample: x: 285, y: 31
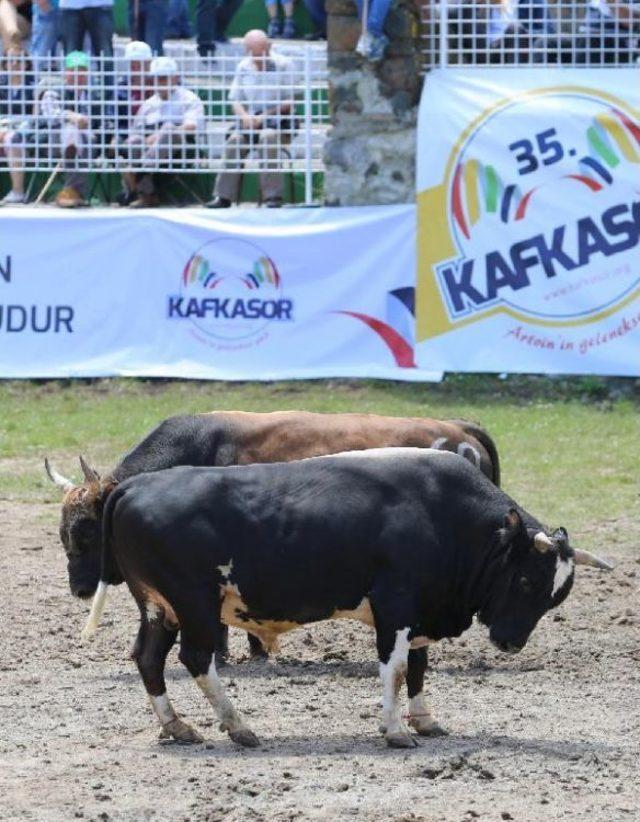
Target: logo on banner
x: 538, y: 215
x: 230, y: 293
x: 397, y: 330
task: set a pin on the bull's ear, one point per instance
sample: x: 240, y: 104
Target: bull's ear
x: 105, y: 489
x: 512, y: 527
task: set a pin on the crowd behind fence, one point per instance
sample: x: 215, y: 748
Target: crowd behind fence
x: 538, y: 33
x: 111, y: 117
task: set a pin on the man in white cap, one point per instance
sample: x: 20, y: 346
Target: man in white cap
x: 262, y: 95
x: 166, y: 123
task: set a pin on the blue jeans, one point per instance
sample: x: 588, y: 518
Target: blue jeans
x: 45, y: 31
x: 152, y: 18
x: 317, y: 13
x: 178, y: 23
x: 378, y: 10
x: 98, y: 22
x: 212, y: 20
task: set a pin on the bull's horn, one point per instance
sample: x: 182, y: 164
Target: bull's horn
x: 90, y: 474
x: 56, y: 478
x: 542, y: 542
x: 585, y: 558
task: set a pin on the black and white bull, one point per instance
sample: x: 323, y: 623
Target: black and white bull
x: 414, y: 542
x: 238, y: 438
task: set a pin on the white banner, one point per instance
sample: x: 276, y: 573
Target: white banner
x: 529, y: 221
x: 252, y: 294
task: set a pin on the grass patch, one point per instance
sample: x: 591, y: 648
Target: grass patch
x: 568, y: 447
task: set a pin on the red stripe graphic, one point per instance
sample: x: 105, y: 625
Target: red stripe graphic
x: 633, y: 128
x: 399, y: 347
x: 592, y: 184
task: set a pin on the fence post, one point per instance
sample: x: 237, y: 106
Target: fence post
x: 444, y: 26
x: 308, y: 172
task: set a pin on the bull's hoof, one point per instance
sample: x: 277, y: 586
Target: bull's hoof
x: 427, y: 727
x: 181, y: 732
x: 222, y: 659
x: 400, y: 740
x: 259, y: 656
x: 244, y: 737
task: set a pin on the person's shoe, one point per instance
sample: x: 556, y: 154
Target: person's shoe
x: 145, y: 201
x: 289, y: 29
x: 68, y: 197
x: 377, y: 48
x: 319, y: 34
x: 218, y: 202
x: 125, y: 198
x: 364, y: 44
x: 273, y: 202
x: 12, y: 198
x: 273, y: 29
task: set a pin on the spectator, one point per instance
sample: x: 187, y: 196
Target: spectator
x: 318, y: 14
x: 15, y: 23
x: 262, y: 98
x: 95, y: 17
x: 147, y: 21
x: 75, y: 120
x: 16, y: 110
x: 373, y: 42
x: 212, y: 20
x: 166, y: 124
x: 610, y: 32
x: 45, y: 30
x: 276, y: 29
x: 178, y: 24
x: 132, y: 89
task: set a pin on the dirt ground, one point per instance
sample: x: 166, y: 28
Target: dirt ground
x: 552, y: 733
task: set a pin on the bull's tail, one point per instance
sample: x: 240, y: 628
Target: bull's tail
x: 109, y: 572
x: 477, y: 431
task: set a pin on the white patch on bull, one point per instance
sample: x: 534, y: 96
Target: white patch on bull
x: 97, y: 607
x: 391, y: 452
x: 564, y: 567
x: 439, y: 443
x: 465, y: 448
x: 213, y: 689
x: 392, y: 674
x: 163, y: 708
x: 153, y: 611
x: 225, y: 570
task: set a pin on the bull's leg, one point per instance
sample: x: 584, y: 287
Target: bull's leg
x: 150, y: 653
x: 202, y: 667
x: 420, y: 717
x: 222, y: 646
x: 256, y: 648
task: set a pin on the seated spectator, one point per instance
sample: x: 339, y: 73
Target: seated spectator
x: 212, y: 20
x: 610, y: 32
x: 276, y: 28
x: 16, y: 111
x: 178, y: 24
x: 373, y: 42
x: 15, y: 23
x: 167, y: 123
x: 147, y: 21
x: 95, y: 17
x: 262, y: 98
x: 132, y: 89
x: 45, y: 30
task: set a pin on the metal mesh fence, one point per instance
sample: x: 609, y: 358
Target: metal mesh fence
x: 539, y: 33
x: 115, y: 115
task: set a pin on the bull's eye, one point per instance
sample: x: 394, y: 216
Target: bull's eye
x: 525, y: 585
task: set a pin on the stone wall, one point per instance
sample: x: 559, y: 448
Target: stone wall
x: 370, y: 152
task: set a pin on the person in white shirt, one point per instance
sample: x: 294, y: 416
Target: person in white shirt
x: 166, y: 123
x: 261, y: 95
